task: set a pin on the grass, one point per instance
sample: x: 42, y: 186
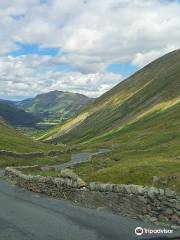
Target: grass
x: 131, y: 171
x: 143, y: 149
x: 12, y: 140
x: 37, y: 171
x: 11, y: 161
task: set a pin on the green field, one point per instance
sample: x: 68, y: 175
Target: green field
x: 41, y: 161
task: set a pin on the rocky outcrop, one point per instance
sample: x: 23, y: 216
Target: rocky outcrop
x: 156, y: 205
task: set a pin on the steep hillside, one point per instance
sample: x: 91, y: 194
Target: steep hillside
x: 153, y: 87
x: 12, y: 140
x: 15, y: 116
x: 145, y: 148
x: 40, y: 153
x: 55, y: 105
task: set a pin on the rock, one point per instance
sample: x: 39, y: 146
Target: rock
x: 161, y: 192
x: 155, y: 180
x: 127, y: 189
x: 92, y: 186
x: 102, y: 187
x: 142, y: 199
x: 152, y: 192
x: 139, y: 190
x: 153, y: 219
x: 175, y: 219
x: 102, y: 209
x: 177, y: 212
x: 109, y: 187
x: 117, y: 188
x: 156, y: 203
x: 162, y: 218
x: 67, y: 173
x: 177, y: 205
x: 168, y: 212
x: 80, y: 183
x: 169, y: 193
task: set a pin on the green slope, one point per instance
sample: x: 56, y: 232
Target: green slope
x: 15, y: 116
x: 155, y: 86
x: 145, y: 148
x: 12, y: 140
x: 55, y: 105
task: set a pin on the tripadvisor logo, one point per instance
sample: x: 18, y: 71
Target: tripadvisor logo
x: 139, y: 231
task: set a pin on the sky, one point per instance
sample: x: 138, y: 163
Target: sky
x: 84, y: 46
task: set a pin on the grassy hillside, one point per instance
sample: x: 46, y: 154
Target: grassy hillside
x: 145, y: 148
x: 55, y: 105
x: 12, y: 140
x: 157, y: 83
x: 15, y: 116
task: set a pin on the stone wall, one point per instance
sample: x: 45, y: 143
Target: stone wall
x: 156, y: 205
x: 4, y: 153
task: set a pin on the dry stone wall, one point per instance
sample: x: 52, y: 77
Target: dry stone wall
x: 4, y: 153
x: 156, y: 205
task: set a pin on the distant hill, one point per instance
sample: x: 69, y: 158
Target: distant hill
x: 154, y: 87
x: 55, y: 105
x: 15, y: 116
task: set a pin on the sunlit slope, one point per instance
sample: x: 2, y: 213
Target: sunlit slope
x: 145, y: 148
x: 11, y: 140
x: 157, y: 83
x: 157, y: 130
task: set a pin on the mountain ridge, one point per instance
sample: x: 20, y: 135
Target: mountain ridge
x: 156, y: 83
x: 55, y: 105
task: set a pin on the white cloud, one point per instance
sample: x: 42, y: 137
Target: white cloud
x: 30, y: 75
x: 91, y: 34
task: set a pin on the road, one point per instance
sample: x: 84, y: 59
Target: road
x: 29, y: 216
x: 78, y: 158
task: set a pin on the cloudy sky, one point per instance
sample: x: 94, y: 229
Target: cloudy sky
x: 84, y: 46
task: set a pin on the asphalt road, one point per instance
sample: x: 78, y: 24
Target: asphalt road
x: 78, y: 158
x: 30, y: 216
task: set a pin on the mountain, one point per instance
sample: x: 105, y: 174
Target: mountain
x: 139, y: 121
x: 15, y: 116
x: 153, y: 88
x: 55, y: 105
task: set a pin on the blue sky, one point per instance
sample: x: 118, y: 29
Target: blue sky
x: 29, y: 49
x: 33, y: 49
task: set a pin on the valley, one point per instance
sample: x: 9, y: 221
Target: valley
x: 129, y: 136
x: 138, y: 120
